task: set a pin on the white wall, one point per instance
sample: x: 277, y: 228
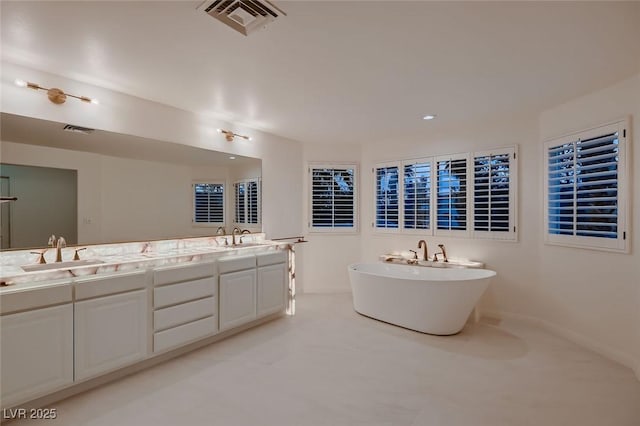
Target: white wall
x: 117, y: 112
x: 596, y: 294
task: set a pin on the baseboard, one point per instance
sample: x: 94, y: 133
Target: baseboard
x: 620, y: 357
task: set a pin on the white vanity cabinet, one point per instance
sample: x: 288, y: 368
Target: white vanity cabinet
x: 272, y: 276
x: 238, y: 290
x: 110, y: 329
x: 36, y: 348
x: 185, y: 304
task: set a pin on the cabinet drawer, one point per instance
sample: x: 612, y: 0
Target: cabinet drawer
x: 186, y: 312
x: 272, y: 258
x: 236, y: 263
x: 103, y: 286
x: 183, y: 334
x: 174, y: 274
x: 183, y: 292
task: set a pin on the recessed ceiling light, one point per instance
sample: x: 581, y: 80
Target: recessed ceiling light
x: 232, y: 158
x: 429, y: 117
x: 20, y: 83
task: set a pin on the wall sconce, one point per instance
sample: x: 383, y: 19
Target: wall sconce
x: 55, y: 95
x: 229, y: 135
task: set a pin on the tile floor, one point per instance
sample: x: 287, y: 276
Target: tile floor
x: 331, y: 366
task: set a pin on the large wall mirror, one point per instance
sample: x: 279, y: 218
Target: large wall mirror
x: 92, y: 186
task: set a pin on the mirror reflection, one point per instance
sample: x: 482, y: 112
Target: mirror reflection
x: 92, y: 186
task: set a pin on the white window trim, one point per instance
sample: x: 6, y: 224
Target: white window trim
x: 224, y: 203
x: 622, y: 244
x: 512, y: 234
x: 356, y: 198
x: 257, y: 180
x: 469, y: 198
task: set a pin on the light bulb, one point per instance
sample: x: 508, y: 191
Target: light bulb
x: 20, y: 83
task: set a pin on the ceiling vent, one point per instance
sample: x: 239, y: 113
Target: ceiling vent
x: 244, y: 16
x: 77, y: 129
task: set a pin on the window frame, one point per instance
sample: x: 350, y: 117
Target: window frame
x: 512, y: 233
x: 333, y: 230
x: 193, y: 203
x: 621, y: 244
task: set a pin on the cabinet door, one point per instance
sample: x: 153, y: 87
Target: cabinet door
x: 237, y: 298
x: 110, y: 332
x: 37, y: 353
x: 272, y: 289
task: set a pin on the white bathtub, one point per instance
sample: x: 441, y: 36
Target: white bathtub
x: 429, y: 300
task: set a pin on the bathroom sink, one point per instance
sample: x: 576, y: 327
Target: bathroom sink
x: 60, y: 265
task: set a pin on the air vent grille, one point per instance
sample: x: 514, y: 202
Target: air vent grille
x: 77, y: 129
x: 244, y: 16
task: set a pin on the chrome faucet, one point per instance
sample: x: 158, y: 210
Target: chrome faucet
x: 60, y: 244
x: 233, y: 235
x: 443, y: 252
x: 422, y: 244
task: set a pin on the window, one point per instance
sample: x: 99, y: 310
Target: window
x: 208, y: 203
x: 247, y: 201
x: 586, y: 188
x: 451, y: 194
x: 333, y: 198
x: 387, y: 197
x: 417, y: 195
x: 494, y: 192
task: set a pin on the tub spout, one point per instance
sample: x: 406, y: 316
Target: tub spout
x: 422, y: 244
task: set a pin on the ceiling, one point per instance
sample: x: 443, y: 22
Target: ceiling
x: 33, y: 131
x: 336, y: 72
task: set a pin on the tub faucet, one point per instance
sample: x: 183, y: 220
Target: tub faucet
x: 443, y: 252
x: 59, y: 245
x: 422, y: 244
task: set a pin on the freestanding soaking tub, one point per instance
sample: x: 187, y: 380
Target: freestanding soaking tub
x: 429, y: 300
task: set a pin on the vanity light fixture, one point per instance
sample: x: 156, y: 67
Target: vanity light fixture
x: 429, y: 117
x: 232, y: 158
x: 229, y: 135
x: 55, y: 95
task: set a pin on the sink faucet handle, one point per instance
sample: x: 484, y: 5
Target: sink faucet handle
x: 41, y: 254
x: 76, y: 256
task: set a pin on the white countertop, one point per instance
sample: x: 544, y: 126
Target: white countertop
x: 120, y: 258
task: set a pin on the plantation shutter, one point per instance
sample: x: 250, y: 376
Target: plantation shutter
x: 585, y: 184
x: 209, y: 203
x: 452, y: 194
x: 333, y: 202
x: 493, y: 190
x: 417, y: 195
x: 387, y: 197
